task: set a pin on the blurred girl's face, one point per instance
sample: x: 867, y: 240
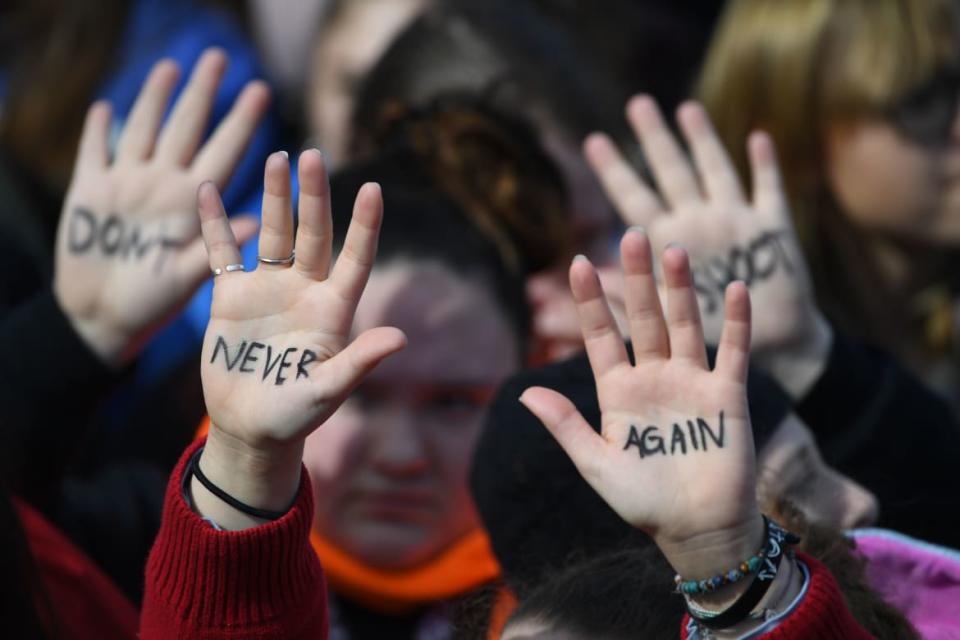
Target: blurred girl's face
x: 389, y: 469
x: 899, y: 175
x: 790, y: 466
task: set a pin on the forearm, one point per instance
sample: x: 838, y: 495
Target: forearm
x: 264, y: 581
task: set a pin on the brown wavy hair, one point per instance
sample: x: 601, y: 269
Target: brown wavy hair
x: 492, y: 166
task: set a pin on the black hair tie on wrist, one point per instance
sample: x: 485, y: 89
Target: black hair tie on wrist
x: 777, y: 545
x: 264, y: 514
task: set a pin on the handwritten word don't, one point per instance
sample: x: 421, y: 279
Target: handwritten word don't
x: 263, y: 359
x: 113, y: 236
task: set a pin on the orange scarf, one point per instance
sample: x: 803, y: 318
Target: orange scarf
x: 462, y: 567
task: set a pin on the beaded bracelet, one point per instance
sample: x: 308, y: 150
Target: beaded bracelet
x: 746, y: 568
x: 777, y: 544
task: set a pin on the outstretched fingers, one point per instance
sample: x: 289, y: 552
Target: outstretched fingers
x: 683, y: 313
x: 601, y: 336
x: 648, y: 331
x: 574, y: 434
x: 768, y: 195
x: 636, y: 202
x: 675, y: 178
x: 315, y: 230
x: 353, y: 266
x: 140, y: 131
x: 719, y: 178
x: 218, y: 158
x: 94, y: 151
x: 181, y: 136
x: 733, y: 352
x: 276, y: 231
x: 222, y: 249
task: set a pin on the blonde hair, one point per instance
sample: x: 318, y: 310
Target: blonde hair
x: 794, y: 67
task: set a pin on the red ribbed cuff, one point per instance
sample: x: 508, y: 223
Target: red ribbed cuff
x: 257, y: 583
x: 822, y: 613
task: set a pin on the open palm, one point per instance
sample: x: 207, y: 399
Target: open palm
x: 703, y: 207
x: 675, y: 456
x: 128, y: 249
x: 277, y: 355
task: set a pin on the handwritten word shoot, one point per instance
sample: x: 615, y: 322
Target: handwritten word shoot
x: 253, y: 355
x: 758, y: 261
x: 695, y: 435
x: 115, y: 237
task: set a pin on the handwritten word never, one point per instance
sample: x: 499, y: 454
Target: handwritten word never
x: 115, y: 237
x: 648, y: 441
x: 756, y: 262
x: 249, y: 353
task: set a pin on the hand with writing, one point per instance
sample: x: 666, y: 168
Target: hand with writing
x: 278, y: 358
x: 129, y: 251
x: 703, y: 207
x: 675, y: 457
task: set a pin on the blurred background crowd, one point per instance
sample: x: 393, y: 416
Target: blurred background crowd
x: 508, y: 136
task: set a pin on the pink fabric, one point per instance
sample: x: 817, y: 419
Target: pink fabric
x: 920, y: 579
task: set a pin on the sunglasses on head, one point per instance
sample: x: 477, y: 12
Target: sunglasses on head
x: 926, y: 114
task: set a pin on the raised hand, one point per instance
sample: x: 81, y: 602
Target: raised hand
x: 703, y: 207
x: 277, y: 357
x: 129, y: 251
x: 675, y: 455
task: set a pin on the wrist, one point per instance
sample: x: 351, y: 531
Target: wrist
x: 797, y: 367
x: 714, y: 553
x: 264, y: 477
x: 110, y: 345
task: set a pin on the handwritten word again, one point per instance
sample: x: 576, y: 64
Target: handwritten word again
x: 696, y: 433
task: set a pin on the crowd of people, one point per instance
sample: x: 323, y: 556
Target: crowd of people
x: 546, y: 319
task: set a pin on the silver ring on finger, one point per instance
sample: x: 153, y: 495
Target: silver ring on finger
x: 278, y: 261
x: 230, y: 268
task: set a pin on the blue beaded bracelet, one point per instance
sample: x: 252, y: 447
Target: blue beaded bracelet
x: 746, y: 568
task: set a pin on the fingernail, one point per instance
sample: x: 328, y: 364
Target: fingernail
x: 580, y: 258
x: 674, y: 245
x: 285, y: 154
x: 637, y: 227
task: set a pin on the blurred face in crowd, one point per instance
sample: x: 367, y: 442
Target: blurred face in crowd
x: 361, y: 31
x: 790, y: 466
x: 900, y: 174
x: 390, y: 467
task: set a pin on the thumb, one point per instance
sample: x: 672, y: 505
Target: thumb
x: 568, y: 426
x: 348, y: 368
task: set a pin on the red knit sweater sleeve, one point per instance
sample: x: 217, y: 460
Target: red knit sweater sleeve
x: 822, y: 613
x: 205, y: 584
